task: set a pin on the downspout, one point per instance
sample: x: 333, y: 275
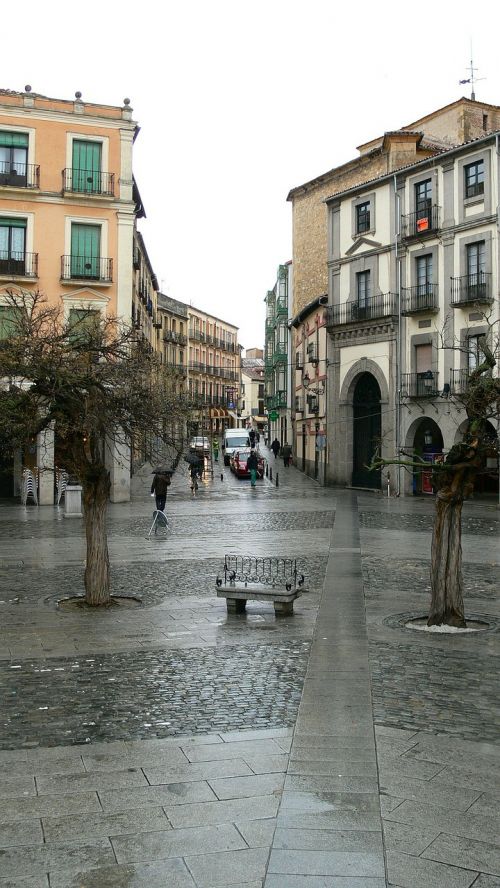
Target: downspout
x: 397, y: 210
x: 497, y: 146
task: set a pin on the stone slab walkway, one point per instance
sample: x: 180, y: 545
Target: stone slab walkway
x: 176, y: 746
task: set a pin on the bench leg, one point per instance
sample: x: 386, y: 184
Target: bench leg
x: 283, y: 608
x: 236, y: 605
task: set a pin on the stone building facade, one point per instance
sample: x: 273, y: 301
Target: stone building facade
x: 413, y: 261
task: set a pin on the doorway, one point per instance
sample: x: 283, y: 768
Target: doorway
x: 367, y: 426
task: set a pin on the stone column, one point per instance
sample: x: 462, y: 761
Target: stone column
x: 45, y: 463
x: 118, y: 463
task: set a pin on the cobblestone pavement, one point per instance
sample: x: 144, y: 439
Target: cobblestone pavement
x: 401, y: 521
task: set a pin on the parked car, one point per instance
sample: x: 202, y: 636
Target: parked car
x: 238, y: 463
x: 200, y: 444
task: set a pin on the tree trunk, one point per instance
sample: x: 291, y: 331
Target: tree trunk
x: 447, y: 605
x: 97, y: 577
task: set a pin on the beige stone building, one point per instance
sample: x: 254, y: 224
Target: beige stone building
x: 214, y: 372
x: 253, y: 410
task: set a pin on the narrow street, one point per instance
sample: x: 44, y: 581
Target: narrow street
x: 172, y: 744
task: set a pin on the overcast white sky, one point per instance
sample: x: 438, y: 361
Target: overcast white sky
x: 238, y: 102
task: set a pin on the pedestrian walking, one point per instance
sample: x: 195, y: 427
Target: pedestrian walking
x: 252, y: 466
x: 251, y: 435
x: 286, y: 453
x: 276, y: 447
x: 215, y: 447
x: 159, y: 487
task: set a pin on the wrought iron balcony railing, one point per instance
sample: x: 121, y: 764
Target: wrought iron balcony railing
x: 421, y: 222
x: 420, y: 385
x: 471, y: 288
x: 19, y: 175
x: 86, y: 268
x: 14, y: 264
x: 89, y: 182
x: 423, y: 297
x: 375, y: 307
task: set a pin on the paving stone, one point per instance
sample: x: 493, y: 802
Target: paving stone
x: 237, y: 750
x: 327, y: 840
x: 199, y: 771
x: 145, y: 847
x: 28, y: 832
x: 414, y: 872
x: 485, y: 881
x: 17, y: 786
x: 288, y: 881
x: 243, y: 787
x: 257, y: 833
x: 425, y: 791
x: 486, y: 805
x: 327, y: 863
x: 15, y: 810
x: 37, y: 860
x: 31, y: 882
x: 408, y: 839
x: 467, y: 853
x: 468, y: 825
x: 267, y: 764
x: 480, y: 782
x: 22, y: 768
x: 334, y: 766
x: 113, y: 801
x: 85, y: 826
x: 212, y: 870
x: 253, y: 808
x: 340, y: 783
x: 85, y: 782
x: 401, y: 766
x: 154, y: 758
x: 170, y: 873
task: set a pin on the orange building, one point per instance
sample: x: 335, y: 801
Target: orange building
x: 68, y: 205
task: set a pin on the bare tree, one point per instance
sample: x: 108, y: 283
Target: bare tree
x: 453, y: 479
x: 97, y: 384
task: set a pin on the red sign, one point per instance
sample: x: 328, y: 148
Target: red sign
x: 422, y: 224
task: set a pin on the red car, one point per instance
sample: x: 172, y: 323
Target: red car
x: 238, y: 463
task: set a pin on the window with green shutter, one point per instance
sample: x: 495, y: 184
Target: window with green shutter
x: 85, y: 251
x: 13, y: 158
x: 86, y: 166
x: 12, y: 245
x: 82, y: 323
x: 8, y: 320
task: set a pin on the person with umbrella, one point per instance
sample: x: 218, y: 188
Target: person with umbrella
x: 196, y: 464
x: 161, y: 482
x: 276, y: 447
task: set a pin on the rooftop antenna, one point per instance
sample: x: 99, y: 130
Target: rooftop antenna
x: 472, y: 80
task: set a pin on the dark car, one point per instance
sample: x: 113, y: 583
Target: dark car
x: 238, y: 463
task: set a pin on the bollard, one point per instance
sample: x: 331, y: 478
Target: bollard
x: 270, y: 475
x: 221, y: 477
x: 277, y: 480
x: 267, y: 471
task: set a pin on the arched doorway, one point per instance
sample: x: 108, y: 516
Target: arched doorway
x: 366, y: 430
x: 427, y: 444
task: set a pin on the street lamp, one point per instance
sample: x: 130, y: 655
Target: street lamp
x: 306, y: 379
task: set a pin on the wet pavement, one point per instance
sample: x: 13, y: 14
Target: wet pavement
x: 175, y: 745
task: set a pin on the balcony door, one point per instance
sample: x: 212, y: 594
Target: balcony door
x: 86, y: 167
x: 476, y: 270
x: 12, y: 246
x: 363, y: 293
x: 366, y: 432
x: 85, y: 251
x: 13, y: 158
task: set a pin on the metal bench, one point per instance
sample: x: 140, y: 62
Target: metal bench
x: 248, y: 578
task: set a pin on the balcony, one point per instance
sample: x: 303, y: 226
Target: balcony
x: 78, y: 268
x: 471, y: 289
x: 374, y: 308
x: 459, y: 380
x: 198, y: 367
x: 90, y: 183
x: 282, y: 306
x: 22, y: 175
x: 197, y: 334
x: 422, y: 298
x: 420, y: 385
x: 420, y: 223
x: 14, y: 264
x: 280, y: 355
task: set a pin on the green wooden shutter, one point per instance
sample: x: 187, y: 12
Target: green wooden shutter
x: 13, y: 140
x: 86, y: 166
x: 85, y: 250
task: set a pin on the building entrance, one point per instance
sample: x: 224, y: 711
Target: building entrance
x: 366, y: 430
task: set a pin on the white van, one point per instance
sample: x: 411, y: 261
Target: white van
x: 233, y: 440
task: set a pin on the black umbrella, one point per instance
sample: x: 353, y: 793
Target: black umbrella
x: 162, y: 470
x: 193, y: 459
